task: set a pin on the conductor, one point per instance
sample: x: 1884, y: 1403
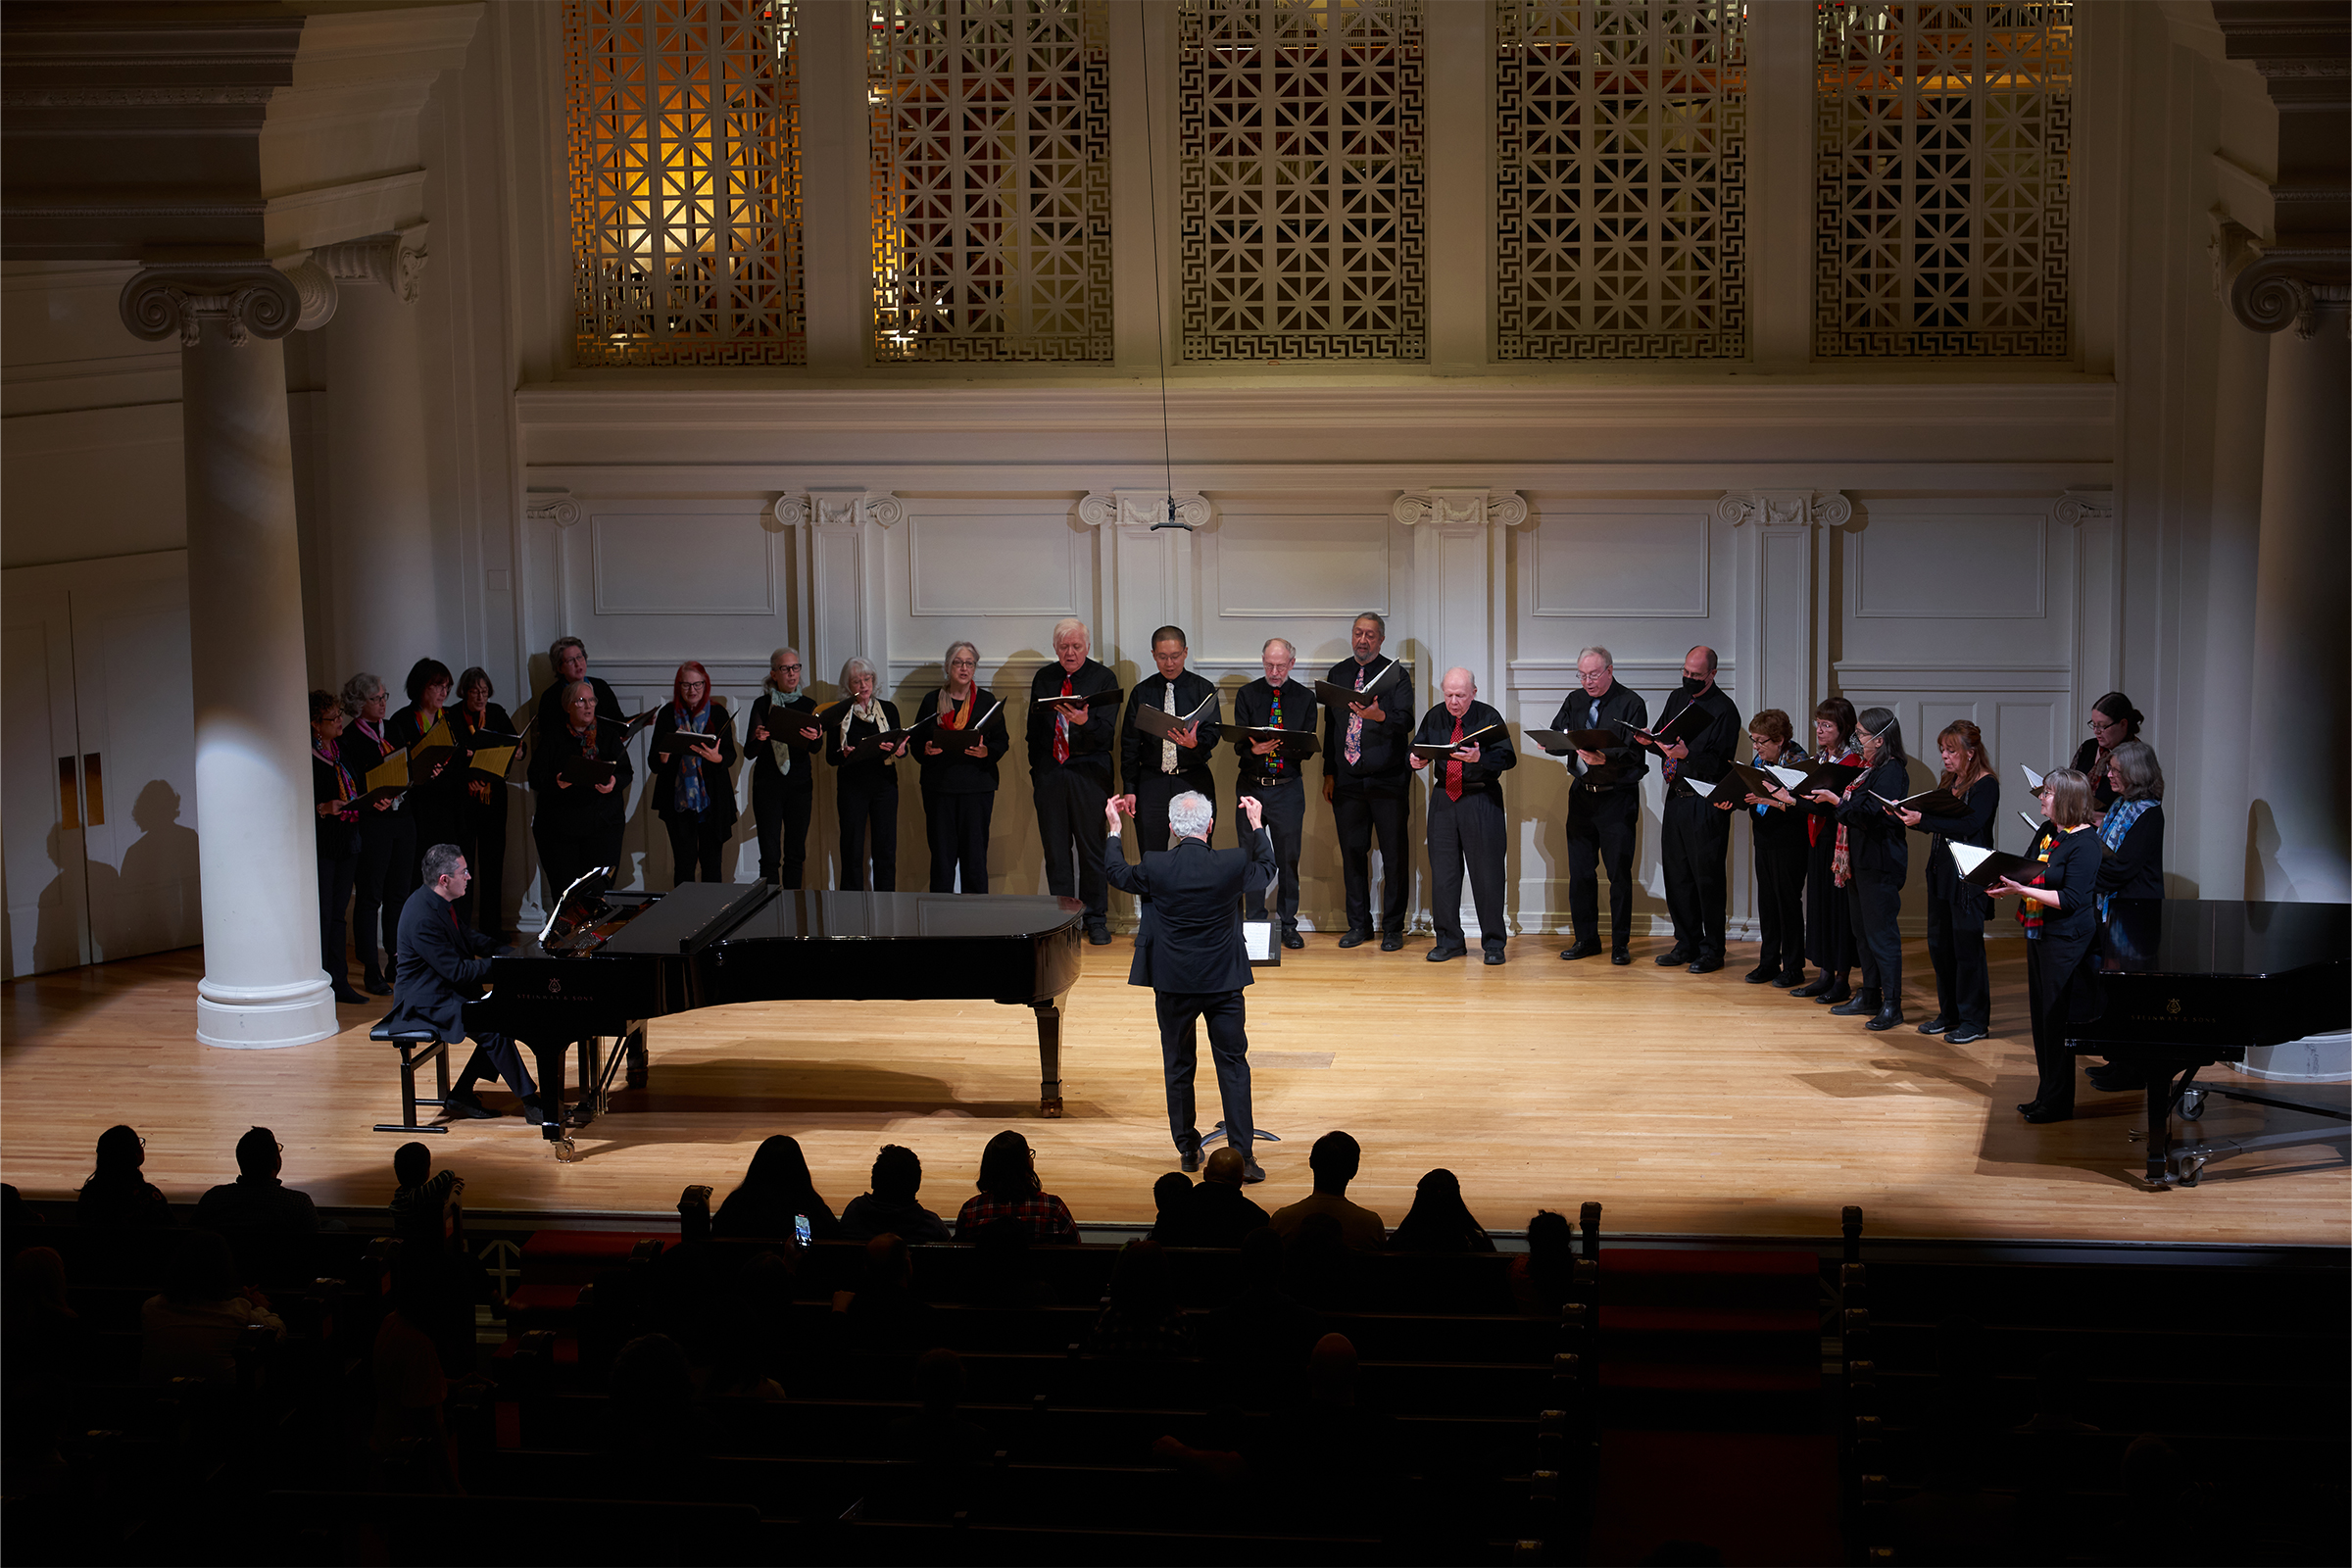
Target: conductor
x: 1189, y: 951
x: 440, y: 962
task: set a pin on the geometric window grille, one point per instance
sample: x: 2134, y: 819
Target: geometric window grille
x: 1621, y: 174
x: 1302, y: 213
x: 1942, y: 217
x: 991, y: 159
x: 684, y: 122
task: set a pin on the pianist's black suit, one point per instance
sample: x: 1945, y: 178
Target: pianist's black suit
x: 441, y: 965
x: 1189, y: 951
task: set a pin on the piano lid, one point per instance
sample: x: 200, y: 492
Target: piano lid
x: 686, y: 917
x: 2183, y: 937
x: 825, y: 915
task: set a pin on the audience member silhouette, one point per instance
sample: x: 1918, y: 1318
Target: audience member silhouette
x: 1167, y: 1202
x: 776, y: 1191
x: 1003, y: 1274
x: 1217, y: 1212
x: 1438, y: 1220
x: 410, y: 1436
x: 1010, y: 1189
x: 1142, y: 1319
x: 1324, y: 1271
x: 1542, y: 1275
x: 192, y: 1328
x: 261, y: 1217
x: 423, y: 1202
x: 1335, y: 1160
x: 116, y: 1197
x: 897, y: 1175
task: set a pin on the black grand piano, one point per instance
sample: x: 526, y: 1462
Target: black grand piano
x: 608, y: 961
x: 2186, y: 983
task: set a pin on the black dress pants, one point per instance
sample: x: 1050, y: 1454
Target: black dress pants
x: 959, y: 829
x: 1956, y: 947
x: 1283, y: 807
x: 1694, y: 843
x: 864, y: 809
x: 780, y: 809
x: 2052, y: 972
x: 1179, y: 1055
x: 335, y: 879
x: 1601, y: 827
x: 1471, y: 834
x: 1070, y: 822
x: 385, y: 880
x: 1781, y: 903
x: 1152, y: 793
x: 1878, y: 902
x: 496, y: 1054
x: 697, y: 846
x: 1359, y: 815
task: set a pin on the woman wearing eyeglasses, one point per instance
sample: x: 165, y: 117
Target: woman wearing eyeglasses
x: 958, y: 756
x: 692, y: 749
x: 2113, y: 721
x: 783, y: 734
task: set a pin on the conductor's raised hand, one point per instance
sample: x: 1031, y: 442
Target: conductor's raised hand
x: 1110, y: 811
x: 1253, y: 810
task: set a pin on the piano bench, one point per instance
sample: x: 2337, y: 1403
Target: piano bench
x: 417, y: 1047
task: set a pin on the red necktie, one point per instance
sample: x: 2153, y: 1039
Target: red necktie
x: 1061, y: 728
x: 1453, y: 766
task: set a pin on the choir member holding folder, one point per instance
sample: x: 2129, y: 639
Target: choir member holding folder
x: 1957, y: 908
x: 436, y: 796
x: 1272, y: 767
x: 1604, y: 801
x: 863, y: 741
x: 332, y: 791
x: 2061, y: 918
x: 568, y: 660
x: 387, y: 834
x: 1072, y: 724
x: 2113, y: 721
x: 580, y: 774
x: 960, y: 733
x: 1829, y: 923
x: 1366, y: 745
x: 1776, y: 832
x: 1880, y: 858
x: 486, y: 735
x: 692, y: 749
x: 1697, y: 732
x: 1467, y: 750
x: 1163, y: 757
x: 782, y: 736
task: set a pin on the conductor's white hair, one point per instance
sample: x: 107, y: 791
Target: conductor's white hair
x: 1190, y: 815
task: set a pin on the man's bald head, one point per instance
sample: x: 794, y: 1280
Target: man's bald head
x: 1225, y: 1166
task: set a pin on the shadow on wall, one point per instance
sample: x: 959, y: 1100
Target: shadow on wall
x: 2266, y: 878
x: 57, y: 932
x: 158, y: 882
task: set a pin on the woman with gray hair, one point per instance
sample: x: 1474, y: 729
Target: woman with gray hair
x: 958, y: 752
x: 1880, y: 858
x: 863, y: 742
x: 387, y: 837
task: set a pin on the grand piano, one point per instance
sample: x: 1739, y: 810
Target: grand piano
x: 2186, y: 983
x: 609, y: 962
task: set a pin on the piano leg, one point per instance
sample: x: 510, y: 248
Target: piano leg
x: 1048, y: 1056
x: 2157, y: 1172
x: 551, y: 1059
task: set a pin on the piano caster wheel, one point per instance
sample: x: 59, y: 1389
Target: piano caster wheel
x: 2192, y: 1106
x: 2191, y: 1167
x: 567, y: 1151
x: 1050, y: 1109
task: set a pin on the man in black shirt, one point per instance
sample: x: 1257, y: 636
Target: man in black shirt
x: 1279, y: 702
x: 1155, y: 770
x: 1069, y: 771
x: 1697, y: 838
x: 1364, y: 778
x: 1467, y: 827
x: 1604, y: 803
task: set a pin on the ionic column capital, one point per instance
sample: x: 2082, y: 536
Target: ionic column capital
x: 1460, y: 508
x: 1140, y: 510
x: 396, y: 261
x: 2289, y: 287
x: 1785, y: 508
x: 249, y: 299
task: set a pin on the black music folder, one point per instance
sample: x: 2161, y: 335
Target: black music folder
x: 1756, y: 781
x: 1928, y: 803
x: 1984, y: 867
x: 1295, y: 743
x: 1690, y: 717
x: 493, y: 753
x: 586, y: 771
x: 1442, y: 751
x: 632, y: 726
x: 1159, y: 722
x: 866, y: 749
x: 1811, y: 776
x: 1560, y: 742
x: 1095, y: 700
x: 1345, y: 698
x: 387, y: 792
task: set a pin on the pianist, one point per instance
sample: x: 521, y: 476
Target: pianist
x: 442, y: 965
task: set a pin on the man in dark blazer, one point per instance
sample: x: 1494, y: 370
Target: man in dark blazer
x: 1364, y: 778
x: 1189, y: 951
x: 1604, y: 803
x: 1694, y: 838
x: 1155, y: 771
x: 442, y: 965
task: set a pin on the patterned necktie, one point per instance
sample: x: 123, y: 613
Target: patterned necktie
x: 1274, y: 717
x: 1061, y: 726
x: 1453, y: 766
x: 1355, y: 721
x: 1167, y: 749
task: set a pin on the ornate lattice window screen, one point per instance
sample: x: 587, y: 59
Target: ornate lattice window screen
x: 684, y: 122
x: 1621, y: 179
x: 991, y: 159
x: 1302, y: 213
x: 1944, y: 178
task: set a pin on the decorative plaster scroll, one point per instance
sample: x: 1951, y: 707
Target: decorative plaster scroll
x: 2079, y: 507
x: 2289, y: 286
x: 250, y: 298
x: 2231, y: 246
x: 396, y: 261
x: 1453, y: 508
x: 1786, y: 507
x: 830, y: 508
x: 884, y: 509
x: 552, y: 506
x: 1144, y: 509
x: 317, y: 286
x: 791, y: 510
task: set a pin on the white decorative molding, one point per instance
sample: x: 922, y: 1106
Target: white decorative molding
x: 2286, y: 287
x: 317, y: 286
x: 834, y: 506
x: 1144, y: 509
x: 1785, y: 508
x: 250, y: 298
x: 883, y: 509
x: 396, y: 261
x: 2077, y: 506
x: 1459, y: 509
x: 2231, y: 246
x: 552, y: 506
x: 790, y: 511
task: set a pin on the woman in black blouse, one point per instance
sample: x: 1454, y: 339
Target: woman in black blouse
x: 482, y: 803
x: 2113, y: 721
x: 2133, y: 828
x: 332, y: 788
x: 1957, y: 909
x: 1880, y: 858
x: 958, y: 760
x: 781, y: 735
x: 1829, y: 923
x: 388, y: 851
x: 1776, y: 826
x: 692, y: 749
x: 866, y: 792
x: 577, y: 824
x: 2060, y: 922
x: 436, y: 798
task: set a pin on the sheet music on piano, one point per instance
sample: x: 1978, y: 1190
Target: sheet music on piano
x: 1261, y: 945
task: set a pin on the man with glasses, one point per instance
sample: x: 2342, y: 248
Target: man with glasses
x: 1604, y: 803
x: 442, y: 965
x: 1069, y: 770
x: 783, y: 737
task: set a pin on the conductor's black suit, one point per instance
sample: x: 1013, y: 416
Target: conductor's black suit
x: 1189, y: 951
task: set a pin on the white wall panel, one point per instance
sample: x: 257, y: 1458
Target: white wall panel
x: 673, y: 562
x: 1620, y: 561
x: 1960, y: 564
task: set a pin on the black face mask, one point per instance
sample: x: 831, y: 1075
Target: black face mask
x: 1694, y: 684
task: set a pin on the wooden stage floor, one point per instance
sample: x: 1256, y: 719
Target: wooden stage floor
x: 1686, y: 1104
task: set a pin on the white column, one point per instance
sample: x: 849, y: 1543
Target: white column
x: 261, y: 984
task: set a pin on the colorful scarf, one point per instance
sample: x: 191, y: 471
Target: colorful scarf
x: 2118, y: 822
x: 691, y: 795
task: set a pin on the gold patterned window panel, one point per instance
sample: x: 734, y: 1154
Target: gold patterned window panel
x: 1303, y: 222
x: 1942, y: 217
x: 684, y: 117
x: 1621, y: 174
x: 991, y: 159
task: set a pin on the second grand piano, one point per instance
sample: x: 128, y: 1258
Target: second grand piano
x: 610, y: 962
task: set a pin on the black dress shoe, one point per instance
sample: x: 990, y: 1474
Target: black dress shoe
x: 1620, y: 956
x: 1441, y: 955
x: 1815, y: 987
x: 531, y: 1113
x: 1967, y: 1034
x: 2042, y: 1115
x: 375, y: 986
x: 1493, y: 955
x: 1099, y: 935
x: 1886, y: 1019
x: 1580, y: 948
x: 1761, y: 974
x: 1789, y: 981
x: 1355, y: 939
x: 344, y: 994
x: 1936, y: 1025
x: 1392, y: 942
x: 2027, y: 1107
x: 1188, y: 1161
x: 1293, y: 940
x: 1859, y: 1005
x: 1671, y: 956
x: 462, y: 1103
x: 1835, y: 995
x: 1706, y: 965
